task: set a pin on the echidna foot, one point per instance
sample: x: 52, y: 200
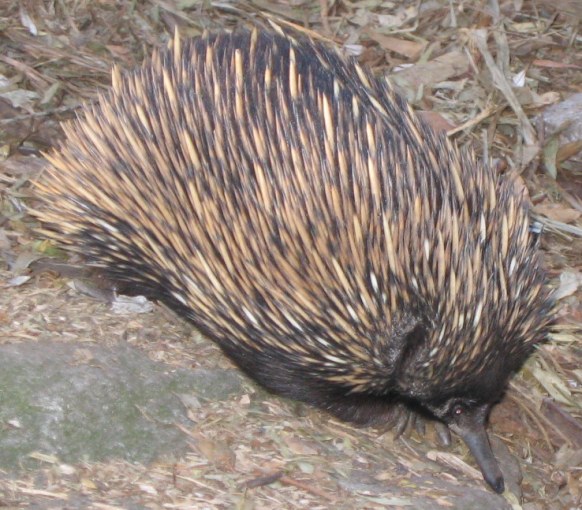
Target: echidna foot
x: 404, y: 420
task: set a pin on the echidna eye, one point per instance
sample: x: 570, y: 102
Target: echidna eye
x: 458, y: 410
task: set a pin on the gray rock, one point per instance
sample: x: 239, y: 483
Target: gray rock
x: 106, y: 403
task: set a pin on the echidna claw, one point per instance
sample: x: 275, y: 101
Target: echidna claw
x: 404, y: 420
x: 443, y: 433
x: 419, y: 425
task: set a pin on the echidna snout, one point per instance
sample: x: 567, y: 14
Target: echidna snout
x: 475, y: 437
x: 468, y: 420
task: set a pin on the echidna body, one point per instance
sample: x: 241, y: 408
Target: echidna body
x: 294, y: 209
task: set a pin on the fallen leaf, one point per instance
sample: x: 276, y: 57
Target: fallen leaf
x: 409, y: 49
x: 539, y: 62
x: 557, y: 212
x: 553, y: 385
x: 568, y: 150
x: 216, y: 452
x: 299, y: 446
x: 445, y: 67
x: 569, y: 283
x: 563, y: 421
x: 435, y: 120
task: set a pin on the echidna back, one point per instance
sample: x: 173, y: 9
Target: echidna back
x: 294, y: 209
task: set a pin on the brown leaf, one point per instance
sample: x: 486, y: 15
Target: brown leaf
x: 554, y: 65
x: 557, y: 212
x: 569, y: 150
x: 299, y: 446
x: 563, y: 421
x: 445, y: 67
x: 216, y: 452
x: 435, y: 120
x: 409, y: 49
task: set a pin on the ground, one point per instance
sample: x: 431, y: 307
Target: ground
x: 109, y: 403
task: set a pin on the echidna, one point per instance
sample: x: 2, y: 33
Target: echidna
x: 294, y: 209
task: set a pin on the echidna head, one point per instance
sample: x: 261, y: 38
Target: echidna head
x: 467, y: 418
x: 460, y: 389
x: 458, y: 362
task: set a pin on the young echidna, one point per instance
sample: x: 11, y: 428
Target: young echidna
x: 296, y: 211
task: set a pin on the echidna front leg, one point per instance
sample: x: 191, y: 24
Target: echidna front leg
x: 372, y: 411
x: 403, y: 418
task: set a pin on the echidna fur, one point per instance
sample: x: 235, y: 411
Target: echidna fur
x: 295, y: 210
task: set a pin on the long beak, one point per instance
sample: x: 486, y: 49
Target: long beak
x: 478, y: 442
